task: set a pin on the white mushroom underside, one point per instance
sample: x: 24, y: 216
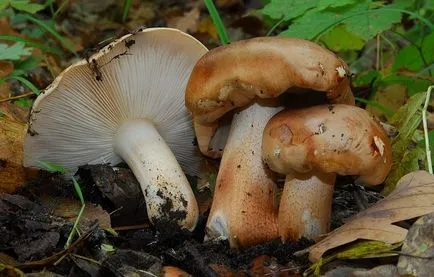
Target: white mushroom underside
x: 75, y: 124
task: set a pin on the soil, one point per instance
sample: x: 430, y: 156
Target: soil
x: 34, y: 238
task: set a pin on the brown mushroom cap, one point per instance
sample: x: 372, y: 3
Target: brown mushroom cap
x: 234, y: 75
x: 337, y: 138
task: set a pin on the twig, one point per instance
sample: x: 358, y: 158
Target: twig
x: 131, y: 227
x: 425, y: 129
x: 17, y: 97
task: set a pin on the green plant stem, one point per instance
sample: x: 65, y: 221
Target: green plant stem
x: 425, y: 129
x: 221, y: 30
x: 60, y: 8
x: 77, y: 220
x: 275, y: 26
x: 127, y: 6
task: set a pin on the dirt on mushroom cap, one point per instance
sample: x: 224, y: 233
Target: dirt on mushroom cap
x: 332, y: 138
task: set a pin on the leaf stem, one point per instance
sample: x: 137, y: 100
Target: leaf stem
x: 425, y: 129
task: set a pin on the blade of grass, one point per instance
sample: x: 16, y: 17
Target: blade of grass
x: 127, y: 6
x: 33, y: 44
x: 64, y: 41
x: 221, y: 30
x: 425, y: 129
x: 77, y: 220
x: 59, y: 9
x: 25, y: 82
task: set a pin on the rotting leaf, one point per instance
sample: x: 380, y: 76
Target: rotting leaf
x: 412, y: 197
x: 417, y: 253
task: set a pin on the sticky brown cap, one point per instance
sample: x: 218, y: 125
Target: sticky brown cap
x: 338, y: 139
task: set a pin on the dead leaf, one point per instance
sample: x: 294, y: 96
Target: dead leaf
x: 228, y: 3
x: 417, y: 256
x: 12, y: 174
x: 379, y: 271
x: 172, y: 271
x: 189, y: 22
x: 207, y: 26
x: 6, y: 68
x: 69, y: 209
x: 412, y: 197
x: 14, y: 112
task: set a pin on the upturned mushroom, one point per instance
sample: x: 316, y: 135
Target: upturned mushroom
x: 243, y: 77
x: 126, y: 102
x: 311, y: 146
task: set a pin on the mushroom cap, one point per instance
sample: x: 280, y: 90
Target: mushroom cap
x: 337, y: 138
x: 234, y: 75
x: 141, y: 75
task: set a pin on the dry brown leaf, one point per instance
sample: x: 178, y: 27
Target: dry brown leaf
x: 11, y: 140
x: 12, y: 174
x: 189, y: 22
x: 69, y: 209
x: 14, y: 112
x: 412, y: 197
x: 6, y: 68
x: 207, y: 26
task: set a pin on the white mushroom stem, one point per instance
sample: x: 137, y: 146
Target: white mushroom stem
x: 305, y: 205
x: 167, y: 192
x: 244, y: 206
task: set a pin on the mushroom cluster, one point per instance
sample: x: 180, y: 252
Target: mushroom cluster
x: 134, y: 101
x: 245, y: 79
x: 126, y: 102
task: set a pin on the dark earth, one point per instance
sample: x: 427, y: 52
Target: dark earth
x: 34, y: 236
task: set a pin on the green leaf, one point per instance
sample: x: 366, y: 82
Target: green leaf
x: 14, y: 52
x: 26, y: 6
x: 363, y: 19
x: 407, y: 119
x: 4, y: 4
x: 340, y: 39
x: 288, y: 9
x: 411, y: 58
x: 366, y: 78
x: 324, y: 4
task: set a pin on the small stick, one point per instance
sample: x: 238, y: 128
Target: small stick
x: 17, y: 97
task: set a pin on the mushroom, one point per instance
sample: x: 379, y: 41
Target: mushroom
x: 126, y: 102
x: 247, y: 76
x: 311, y: 146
